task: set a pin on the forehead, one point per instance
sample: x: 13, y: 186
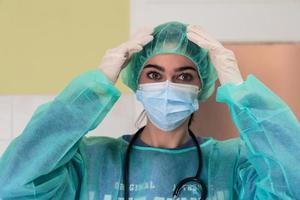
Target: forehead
x: 170, y: 61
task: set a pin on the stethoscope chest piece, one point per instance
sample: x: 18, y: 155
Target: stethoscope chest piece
x: 192, y: 185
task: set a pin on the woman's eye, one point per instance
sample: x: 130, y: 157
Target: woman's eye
x: 185, y: 77
x: 154, y: 75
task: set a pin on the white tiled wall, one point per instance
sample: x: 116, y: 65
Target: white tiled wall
x: 5, y: 118
x: 16, y: 111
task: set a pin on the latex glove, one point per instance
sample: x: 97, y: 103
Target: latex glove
x: 222, y: 58
x: 115, y: 59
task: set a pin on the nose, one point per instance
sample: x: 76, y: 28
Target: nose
x: 170, y: 77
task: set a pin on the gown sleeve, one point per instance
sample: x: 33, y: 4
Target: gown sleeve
x: 44, y: 162
x: 269, y: 158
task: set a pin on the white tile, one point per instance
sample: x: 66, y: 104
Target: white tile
x: 119, y: 120
x: 5, y: 117
x: 23, y: 109
x: 3, y: 145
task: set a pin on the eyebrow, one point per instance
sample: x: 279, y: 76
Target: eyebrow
x: 160, y: 68
x: 183, y: 68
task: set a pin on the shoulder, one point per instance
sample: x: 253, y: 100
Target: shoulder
x: 232, y: 143
x: 100, y: 143
x: 236, y: 149
x: 96, y: 150
x: 231, y: 149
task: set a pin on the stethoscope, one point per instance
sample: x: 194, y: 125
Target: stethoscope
x: 194, y: 179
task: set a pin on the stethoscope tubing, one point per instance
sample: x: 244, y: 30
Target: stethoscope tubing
x: 179, y: 186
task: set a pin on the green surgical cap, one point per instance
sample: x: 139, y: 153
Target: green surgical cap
x: 171, y: 37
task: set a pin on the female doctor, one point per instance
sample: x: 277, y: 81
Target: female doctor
x: 171, y: 69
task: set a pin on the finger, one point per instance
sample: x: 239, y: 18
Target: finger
x: 110, y: 60
x: 140, y: 36
x: 195, y: 27
x: 201, y: 32
x: 196, y: 37
x: 145, y: 40
x: 134, y: 49
x: 198, y: 40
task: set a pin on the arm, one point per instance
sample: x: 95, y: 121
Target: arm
x: 45, y: 160
x: 42, y: 161
x: 269, y: 161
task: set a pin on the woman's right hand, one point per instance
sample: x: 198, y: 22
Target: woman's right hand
x: 223, y: 59
x: 115, y: 59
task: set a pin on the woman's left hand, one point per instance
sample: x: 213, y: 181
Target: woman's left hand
x: 222, y: 58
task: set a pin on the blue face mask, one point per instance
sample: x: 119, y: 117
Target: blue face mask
x: 168, y: 104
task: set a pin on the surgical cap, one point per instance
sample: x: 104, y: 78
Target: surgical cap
x: 171, y: 37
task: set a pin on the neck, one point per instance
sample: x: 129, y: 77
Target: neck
x: 155, y: 137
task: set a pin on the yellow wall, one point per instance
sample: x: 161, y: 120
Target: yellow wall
x: 44, y: 44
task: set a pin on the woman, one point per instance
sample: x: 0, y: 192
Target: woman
x: 170, y: 71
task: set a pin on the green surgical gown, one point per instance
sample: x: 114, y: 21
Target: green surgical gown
x: 53, y: 159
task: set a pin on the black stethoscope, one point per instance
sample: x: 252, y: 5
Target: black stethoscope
x: 194, y: 179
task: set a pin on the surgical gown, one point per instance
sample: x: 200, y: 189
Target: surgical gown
x: 53, y: 159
